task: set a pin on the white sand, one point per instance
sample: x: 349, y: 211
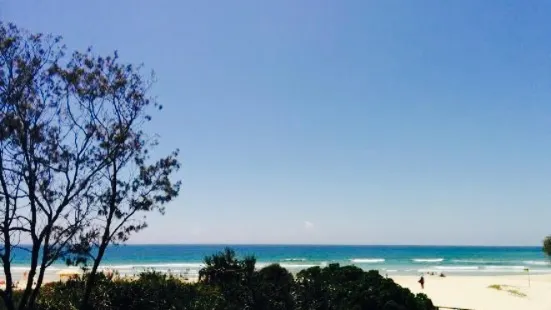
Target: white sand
x: 473, y: 292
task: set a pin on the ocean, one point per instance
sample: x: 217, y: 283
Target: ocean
x: 391, y: 260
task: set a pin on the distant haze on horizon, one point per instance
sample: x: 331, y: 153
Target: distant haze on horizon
x: 356, y: 122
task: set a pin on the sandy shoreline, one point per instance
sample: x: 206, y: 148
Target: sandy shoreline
x: 473, y: 292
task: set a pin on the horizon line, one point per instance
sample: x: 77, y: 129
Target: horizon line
x: 334, y: 244
x: 323, y: 244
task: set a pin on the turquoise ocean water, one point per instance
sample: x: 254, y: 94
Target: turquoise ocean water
x: 406, y: 260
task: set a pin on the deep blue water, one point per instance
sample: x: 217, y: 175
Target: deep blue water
x: 387, y: 259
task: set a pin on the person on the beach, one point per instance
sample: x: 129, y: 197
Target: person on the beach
x: 422, y: 282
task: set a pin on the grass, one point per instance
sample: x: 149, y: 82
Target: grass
x: 509, y: 289
x: 516, y: 293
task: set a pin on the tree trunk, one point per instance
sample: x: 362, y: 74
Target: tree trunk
x: 105, y: 239
x: 34, y: 263
x: 36, y: 290
x: 90, y: 281
x: 7, y: 296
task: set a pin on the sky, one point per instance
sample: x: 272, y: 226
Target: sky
x: 337, y: 122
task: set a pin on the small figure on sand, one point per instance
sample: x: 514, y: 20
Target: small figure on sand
x: 422, y: 282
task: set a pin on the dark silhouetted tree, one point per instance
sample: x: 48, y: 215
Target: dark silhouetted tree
x: 273, y: 288
x: 547, y: 246
x: 349, y: 287
x: 232, y: 276
x: 225, y: 267
x: 74, y: 165
x: 131, y: 184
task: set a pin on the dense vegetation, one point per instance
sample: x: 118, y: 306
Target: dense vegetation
x: 228, y: 282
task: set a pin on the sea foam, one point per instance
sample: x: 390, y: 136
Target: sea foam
x: 155, y: 266
x: 367, y: 260
x: 478, y: 261
x: 537, y: 263
x: 504, y: 267
x: 294, y: 259
x: 453, y: 268
x: 428, y: 260
x: 298, y: 266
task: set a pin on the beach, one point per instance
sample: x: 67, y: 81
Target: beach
x: 474, y: 292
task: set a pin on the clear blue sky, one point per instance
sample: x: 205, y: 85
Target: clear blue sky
x: 387, y: 122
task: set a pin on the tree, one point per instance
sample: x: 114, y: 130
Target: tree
x: 44, y: 160
x: 547, y: 246
x: 72, y: 153
x: 130, y: 185
x: 349, y: 287
x: 272, y: 288
x: 225, y: 268
x: 232, y: 276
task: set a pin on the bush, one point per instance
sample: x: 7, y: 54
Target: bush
x: 151, y: 291
x: 349, y: 287
x: 547, y: 246
x: 273, y: 288
x: 230, y: 276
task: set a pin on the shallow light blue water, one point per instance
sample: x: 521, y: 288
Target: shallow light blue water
x: 387, y: 259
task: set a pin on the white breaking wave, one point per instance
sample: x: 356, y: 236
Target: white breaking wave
x: 155, y: 266
x: 456, y: 267
x: 537, y: 263
x: 298, y: 266
x: 367, y: 260
x: 428, y: 260
x: 478, y: 261
x: 291, y: 265
x: 294, y: 260
x: 504, y: 267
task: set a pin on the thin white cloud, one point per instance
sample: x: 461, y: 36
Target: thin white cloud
x: 308, y: 225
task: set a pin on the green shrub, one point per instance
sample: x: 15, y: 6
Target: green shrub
x: 349, y: 287
x: 151, y: 291
x: 273, y: 288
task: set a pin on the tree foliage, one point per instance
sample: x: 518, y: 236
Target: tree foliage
x: 349, y: 287
x: 273, y: 288
x: 547, y: 246
x: 231, y: 276
x: 151, y: 291
x: 225, y: 268
x: 75, y: 167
